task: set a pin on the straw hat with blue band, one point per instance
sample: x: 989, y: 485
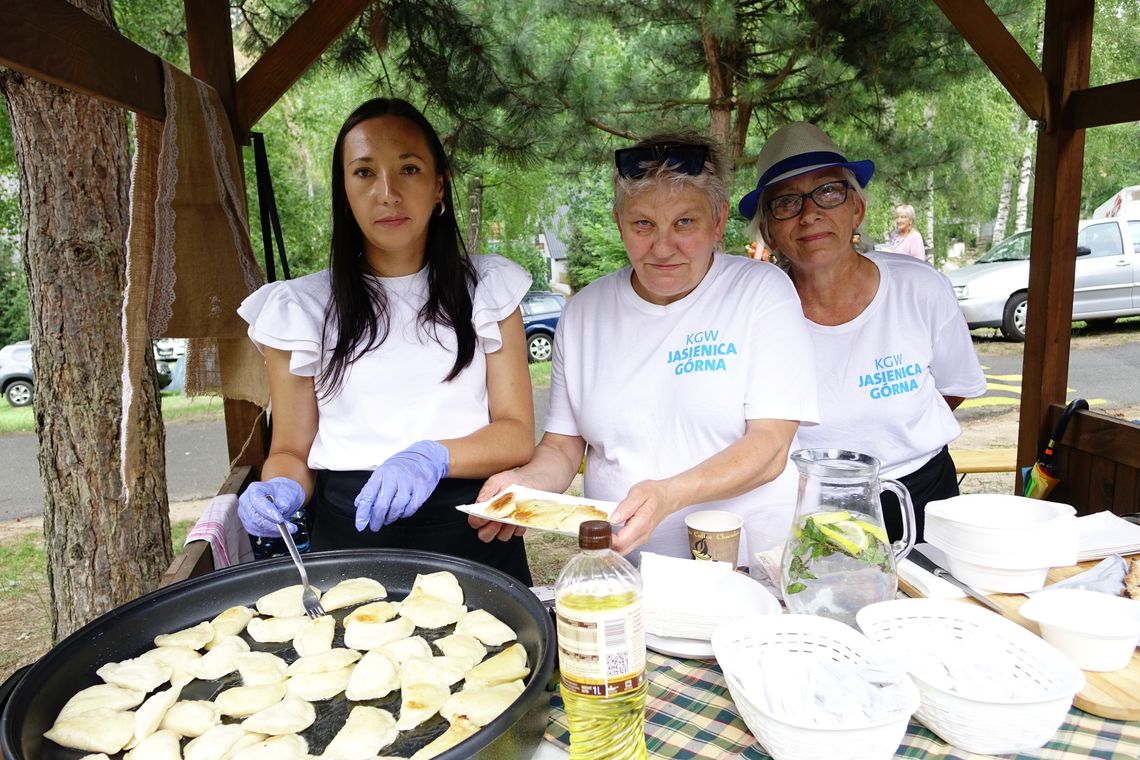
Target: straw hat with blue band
x: 795, y: 149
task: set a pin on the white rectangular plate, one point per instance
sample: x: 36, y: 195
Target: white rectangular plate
x: 521, y: 493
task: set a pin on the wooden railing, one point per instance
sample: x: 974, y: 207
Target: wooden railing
x: 1098, y: 461
x: 196, y: 558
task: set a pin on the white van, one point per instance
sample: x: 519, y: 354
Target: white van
x: 1125, y: 203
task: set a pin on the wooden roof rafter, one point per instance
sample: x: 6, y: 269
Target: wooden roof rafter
x: 1002, y: 54
x: 284, y: 63
x: 104, y: 64
x: 98, y: 60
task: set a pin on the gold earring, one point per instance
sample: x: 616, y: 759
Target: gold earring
x: 441, y: 208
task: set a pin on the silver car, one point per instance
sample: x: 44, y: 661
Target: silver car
x: 16, y: 373
x: 992, y: 291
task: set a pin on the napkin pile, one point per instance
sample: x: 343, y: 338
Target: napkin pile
x: 818, y: 691
x: 975, y: 666
x: 1105, y: 534
x: 682, y: 598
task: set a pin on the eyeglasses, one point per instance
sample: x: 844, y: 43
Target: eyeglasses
x: 828, y: 195
x: 687, y: 159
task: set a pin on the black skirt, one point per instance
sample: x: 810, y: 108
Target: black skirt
x: 436, y: 526
x: 937, y: 479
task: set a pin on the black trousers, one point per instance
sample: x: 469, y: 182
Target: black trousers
x: 937, y: 479
x: 436, y: 526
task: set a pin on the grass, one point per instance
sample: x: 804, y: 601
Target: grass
x: 540, y: 374
x: 174, y: 407
x: 23, y: 565
x: 23, y: 562
x: 26, y: 626
x: 547, y: 554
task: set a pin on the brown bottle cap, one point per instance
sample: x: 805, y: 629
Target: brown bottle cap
x: 595, y: 534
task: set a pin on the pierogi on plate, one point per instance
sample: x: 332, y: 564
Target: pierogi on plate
x: 248, y: 685
x: 541, y: 510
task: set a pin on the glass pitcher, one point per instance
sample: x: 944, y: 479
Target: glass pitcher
x: 837, y: 558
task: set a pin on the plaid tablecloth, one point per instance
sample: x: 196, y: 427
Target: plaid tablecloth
x: 690, y: 714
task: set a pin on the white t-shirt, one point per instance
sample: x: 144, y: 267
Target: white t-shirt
x: 655, y: 390
x: 882, y: 375
x: 394, y: 395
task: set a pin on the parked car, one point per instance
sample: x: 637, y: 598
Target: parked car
x: 992, y: 292
x: 165, y: 376
x: 169, y: 348
x: 16, y: 373
x: 541, y: 311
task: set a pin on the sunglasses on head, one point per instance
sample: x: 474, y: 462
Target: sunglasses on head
x: 686, y: 159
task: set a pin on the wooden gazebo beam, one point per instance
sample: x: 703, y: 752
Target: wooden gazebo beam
x: 993, y: 43
x: 1107, y: 104
x: 297, y: 49
x: 57, y: 42
x: 1066, y: 55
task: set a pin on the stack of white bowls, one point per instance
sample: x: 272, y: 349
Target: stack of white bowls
x: 1002, y: 543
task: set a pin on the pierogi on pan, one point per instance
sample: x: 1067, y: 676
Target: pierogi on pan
x: 203, y: 694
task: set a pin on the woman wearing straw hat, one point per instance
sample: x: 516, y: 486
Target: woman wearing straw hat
x: 893, y: 354
x: 683, y: 377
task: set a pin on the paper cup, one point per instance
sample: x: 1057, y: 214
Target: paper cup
x: 714, y: 535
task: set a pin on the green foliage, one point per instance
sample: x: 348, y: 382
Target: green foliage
x: 529, y: 258
x: 594, y: 248
x: 13, y: 300
x: 13, y: 283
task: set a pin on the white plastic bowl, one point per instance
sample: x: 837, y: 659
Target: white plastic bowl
x: 1006, y: 531
x: 991, y: 573
x: 1096, y: 631
x: 1000, y: 579
x: 998, y: 512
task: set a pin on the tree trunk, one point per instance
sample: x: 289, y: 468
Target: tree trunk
x: 474, y: 213
x: 1021, y: 222
x: 929, y: 237
x: 721, y: 87
x: 73, y: 157
x: 1002, y: 218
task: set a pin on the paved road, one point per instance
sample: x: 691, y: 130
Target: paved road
x: 1107, y: 377
x: 196, y: 463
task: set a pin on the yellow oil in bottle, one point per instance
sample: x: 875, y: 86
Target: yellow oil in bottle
x: 601, y: 644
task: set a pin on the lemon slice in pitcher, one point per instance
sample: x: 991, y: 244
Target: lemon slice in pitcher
x: 870, y: 527
x: 847, y: 536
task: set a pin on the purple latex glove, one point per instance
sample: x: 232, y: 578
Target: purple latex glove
x: 401, y: 485
x: 264, y: 506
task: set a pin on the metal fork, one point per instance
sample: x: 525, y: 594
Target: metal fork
x: 309, y: 598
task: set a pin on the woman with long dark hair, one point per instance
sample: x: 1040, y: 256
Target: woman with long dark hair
x: 398, y: 375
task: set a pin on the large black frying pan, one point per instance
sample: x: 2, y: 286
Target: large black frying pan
x: 128, y: 631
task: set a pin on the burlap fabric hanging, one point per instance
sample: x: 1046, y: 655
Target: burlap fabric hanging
x: 189, y: 258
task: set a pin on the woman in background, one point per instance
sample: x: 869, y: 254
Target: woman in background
x: 906, y: 239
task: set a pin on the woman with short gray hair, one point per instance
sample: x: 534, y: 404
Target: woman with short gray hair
x: 684, y: 376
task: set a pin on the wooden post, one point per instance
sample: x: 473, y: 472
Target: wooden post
x: 1056, y: 209
x: 210, y: 41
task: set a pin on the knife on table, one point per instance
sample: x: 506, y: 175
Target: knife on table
x: 929, y: 566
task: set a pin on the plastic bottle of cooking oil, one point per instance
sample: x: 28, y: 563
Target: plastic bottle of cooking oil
x: 601, y: 649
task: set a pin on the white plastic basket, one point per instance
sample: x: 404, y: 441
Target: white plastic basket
x: 744, y: 640
x: 986, y: 726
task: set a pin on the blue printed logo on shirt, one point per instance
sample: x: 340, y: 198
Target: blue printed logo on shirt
x: 892, y: 377
x: 703, y: 352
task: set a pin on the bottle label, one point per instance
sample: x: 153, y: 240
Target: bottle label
x: 601, y: 653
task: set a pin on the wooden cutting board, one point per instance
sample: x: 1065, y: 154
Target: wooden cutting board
x: 1109, y: 695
